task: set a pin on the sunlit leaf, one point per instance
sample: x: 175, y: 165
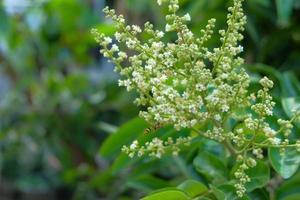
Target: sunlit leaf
x: 193, y: 188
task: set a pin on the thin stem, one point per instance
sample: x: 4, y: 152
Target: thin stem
x: 229, y: 146
x: 291, y: 121
x: 224, y: 44
x: 275, y: 146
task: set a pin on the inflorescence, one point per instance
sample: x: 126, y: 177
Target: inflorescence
x: 185, y: 84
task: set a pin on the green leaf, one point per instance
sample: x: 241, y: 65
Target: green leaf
x: 284, y: 11
x: 293, y: 79
x: 227, y: 192
x: 121, y: 162
x: 290, y: 105
x: 106, y: 29
x: 289, y: 85
x: 261, y: 68
x: 218, y: 193
x: 289, y: 187
x: 167, y: 194
x: 265, y: 3
x: 259, y: 175
x: 125, y: 134
x: 287, y: 164
x: 293, y: 197
x: 4, y: 23
x: 193, y: 188
x: 259, y: 194
x: 211, y: 167
x: 252, y: 30
x: 147, y: 183
x: 202, y: 198
x: 101, y: 179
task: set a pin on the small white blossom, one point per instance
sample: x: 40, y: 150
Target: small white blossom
x: 134, y: 145
x: 168, y: 28
x: 107, y: 40
x: 160, y: 34
x: 114, y: 48
x: 136, y: 28
x: 187, y: 17
x: 118, y: 36
x: 267, y: 83
x: 275, y: 141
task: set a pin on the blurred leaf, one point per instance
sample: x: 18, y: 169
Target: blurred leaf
x: 227, y: 192
x: 147, y: 183
x: 107, y: 127
x: 193, y: 188
x: 259, y: 194
x: 167, y: 194
x: 107, y: 29
x: 121, y: 162
x: 293, y: 197
x: 286, y: 164
x: 210, y: 166
x: 101, y: 179
x: 289, y: 187
x: 126, y: 133
x: 220, y: 195
x: 265, y: 3
x: 289, y: 86
x: 138, y: 5
x: 202, y: 198
x: 252, y: 31
x: 262, y: 68
x: 291, y: 106
x: 284, y: 11
x: 4, y: 23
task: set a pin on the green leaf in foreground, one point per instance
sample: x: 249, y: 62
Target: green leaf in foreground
x: 286, y: 164
x: 167, y: 194
x: 193, y: 188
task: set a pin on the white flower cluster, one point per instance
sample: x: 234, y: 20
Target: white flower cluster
x: 156, y: 147
x: 186, y: 85
x: 242, y: 179
x: 172, y: 79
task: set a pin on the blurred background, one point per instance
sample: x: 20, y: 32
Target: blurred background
x: 59, y: 98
